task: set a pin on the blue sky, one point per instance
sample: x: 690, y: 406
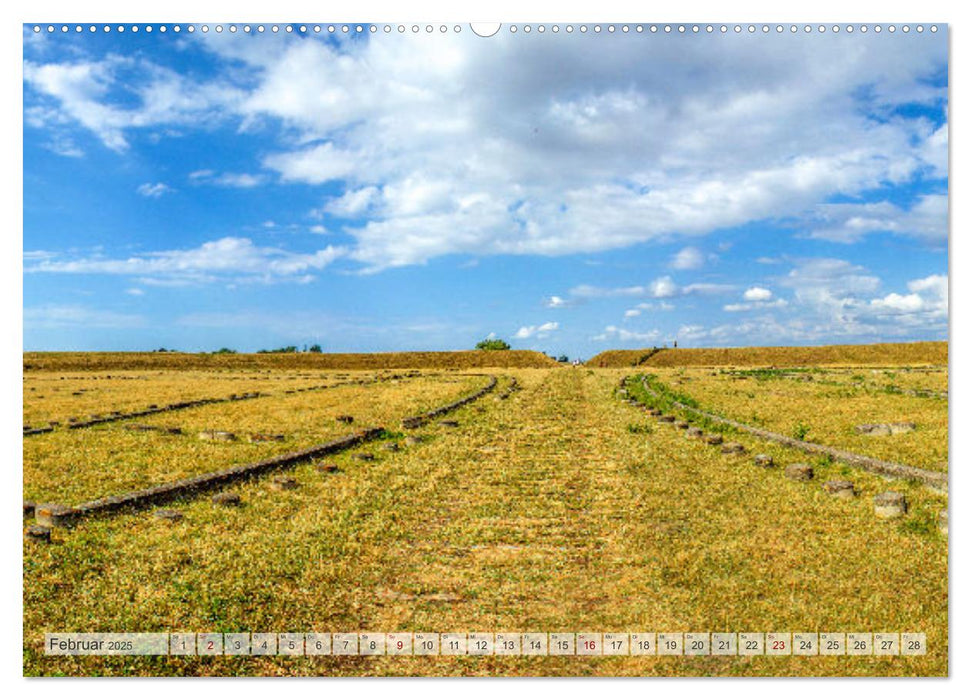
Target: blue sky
x: 569, y: 193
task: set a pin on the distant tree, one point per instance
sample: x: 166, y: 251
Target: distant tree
x: 562, y: 358
x: 288, y: 348
x: 492, y: 344
x: 224, y: 351
x: 315, y: 348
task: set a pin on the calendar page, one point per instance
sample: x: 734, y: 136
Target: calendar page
x: 425, y: 348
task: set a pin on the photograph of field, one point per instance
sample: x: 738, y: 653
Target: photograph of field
x: 553, y: 350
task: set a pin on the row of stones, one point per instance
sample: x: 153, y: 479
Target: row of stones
x: 420, y: 420
x: 56, y: 515
x: 887, y: 505
x: 48, y: 516
x: 935, y: 480
x: 510, y: 388
x: 232, y: 499
x: 96, y: 419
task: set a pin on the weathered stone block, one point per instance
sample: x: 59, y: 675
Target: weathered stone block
x: 227, y: 498
x: 763, y: 460
x: 839, y: 488
x: 799, y: 472
x: 889, y: 504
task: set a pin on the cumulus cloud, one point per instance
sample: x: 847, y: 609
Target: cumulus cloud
x: 405, y: 135
x: 154, y: 191
x: 632, y: 313
x: 757, y: 294
x: 834, y: 299
x: 85, y: 92
x: 848, y: 223
x: 226, y: 259
x: 663, y: 287
x: 541, y: 331
x: 555, y: 302
x: 926, y: 302
x: 689, y: 258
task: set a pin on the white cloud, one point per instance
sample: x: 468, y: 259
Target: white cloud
x: 319, y: 164
x: 689, y: 258
x: 537, y: 164
x: 82, y: 92
x: 586, y: 291
x: 135, y: 291
x: 154, y: 191
x: 706, y: 288
x: 235, y: 259
x: 749, y: 306
x: 757, y: 294
x: 613, y: 333
x: 50, y: 316
x: 239, y: 180
x: 541, y: 331
x: 555, y: 302
x: 655, y: 306
x: 926, y: 302
x: 632, y: 313
x: 242, y: 180
x: 64, y: 146
x: 849, y: 223
x: 353, y: 202
x: 663, y: 287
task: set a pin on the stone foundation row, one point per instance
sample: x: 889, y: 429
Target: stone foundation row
x: 420, y: 420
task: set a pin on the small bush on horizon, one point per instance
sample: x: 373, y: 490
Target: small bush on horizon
x: 492, y: 344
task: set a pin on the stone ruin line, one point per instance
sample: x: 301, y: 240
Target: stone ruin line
x: 54, y: 515
x: 178, y: 406
x: 870, y: 464
x: 422, y: 419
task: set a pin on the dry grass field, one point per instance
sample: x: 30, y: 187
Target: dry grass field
x: 816, y: 408
x: 560, y: 508
x: 102, y: 361
x: 888, y: 354
x: 70, y: 466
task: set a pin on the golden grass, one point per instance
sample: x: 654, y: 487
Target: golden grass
x: 620, y: 358
x: 78, y: 465
x: 104, y: 361
x: 542, y: 513
x: 823, y: 411
x: 54, y: 395
x: 895, y: 354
